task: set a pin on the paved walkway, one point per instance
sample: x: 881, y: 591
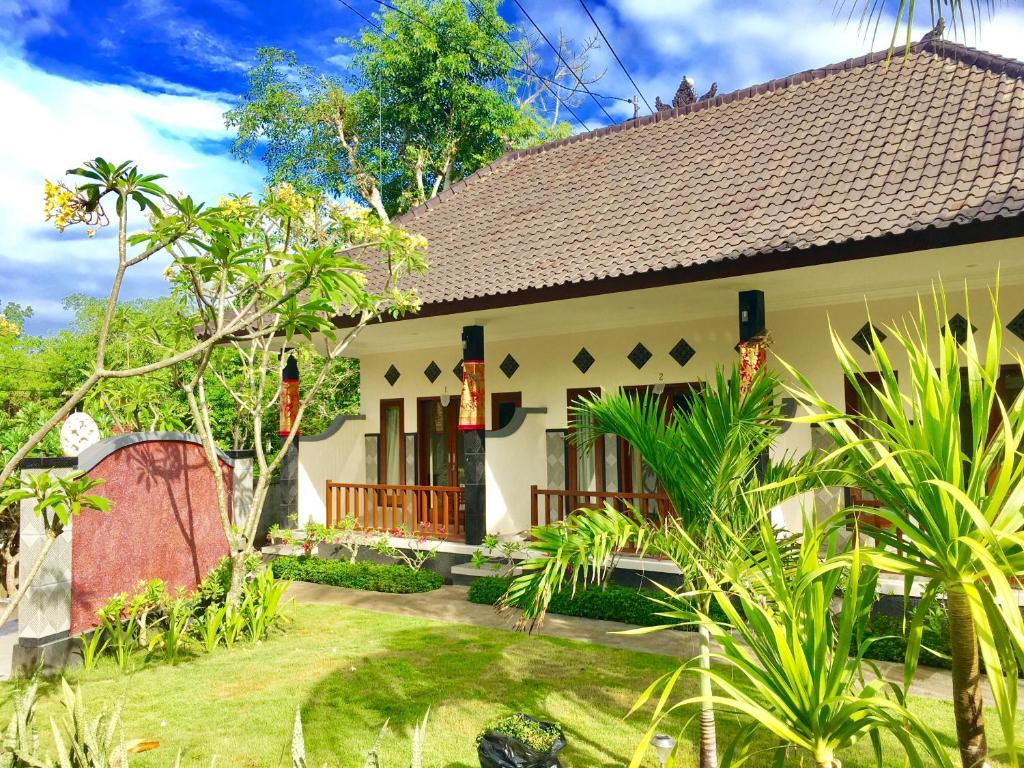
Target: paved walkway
x: 450, y: 604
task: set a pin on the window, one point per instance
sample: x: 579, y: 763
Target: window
x: 634, y: 474
x: 503, y: 407
x: 391, y: 468
x: 586, y: 467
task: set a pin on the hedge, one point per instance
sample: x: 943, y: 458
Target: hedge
x: 610, y: 603
x: 889, y: 643
x: 633, y: 606
x: 372, y: 577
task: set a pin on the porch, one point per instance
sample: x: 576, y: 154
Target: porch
x: 439, y: 511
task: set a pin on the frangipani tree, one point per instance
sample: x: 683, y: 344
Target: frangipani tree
x: 219, y: 255
x: 312, y: 257
x: 943, y: 456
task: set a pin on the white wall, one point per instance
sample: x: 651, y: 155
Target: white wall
x: 546, y: 371
x: 514, y: 463
x: 337, y: 456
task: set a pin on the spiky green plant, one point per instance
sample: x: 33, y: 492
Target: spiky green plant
x: 85, y: 742
x: 789, y: 665
x: 21, y: 739
x: 942, y: 456
x: 706, y: 460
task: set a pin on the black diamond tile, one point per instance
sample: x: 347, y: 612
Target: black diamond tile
x: 862, y: 338
x: 958, y: 326
x: 1016, y: 326
x: 509, y: 366
x: 392, y: 375
x: 432, y: 372
x: 583, y: 360
x: 682, y: 352
x: 639, y: 356
x: 457, y: 370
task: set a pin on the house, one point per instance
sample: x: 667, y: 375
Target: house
x: 631, y: 256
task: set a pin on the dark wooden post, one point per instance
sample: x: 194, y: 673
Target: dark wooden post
x: 471, y: 422
x: 752, y: 348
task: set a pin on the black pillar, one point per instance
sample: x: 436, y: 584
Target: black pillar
x: 752, y: 323
x: 473, y: 448
x: 751, y: 314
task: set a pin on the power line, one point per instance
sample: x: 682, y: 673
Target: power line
x: 371, y: 22
x: 21, y: 369
x: 504, y: 39
x: 561, y: 58
x: 610, y: 48
x: 532, y: 72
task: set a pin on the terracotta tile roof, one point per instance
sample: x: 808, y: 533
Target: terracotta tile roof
x: 836, y: 155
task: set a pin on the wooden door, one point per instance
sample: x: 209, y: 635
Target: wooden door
x: 440, y: 443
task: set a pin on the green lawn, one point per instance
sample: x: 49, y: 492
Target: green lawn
x: 349, y: 670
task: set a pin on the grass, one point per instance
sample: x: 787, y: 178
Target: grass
x: 349, y: 670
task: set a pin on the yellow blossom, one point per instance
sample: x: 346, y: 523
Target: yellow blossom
x: 7, y: 328
x: 90, y: 233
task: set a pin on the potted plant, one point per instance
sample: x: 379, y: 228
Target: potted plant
x: 520, y: 741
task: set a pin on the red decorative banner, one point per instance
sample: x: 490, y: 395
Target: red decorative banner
x: 288, y: 407
x: 471, y: 406
x: 753, y: 355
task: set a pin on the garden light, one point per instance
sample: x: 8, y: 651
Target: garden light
x: 663, y: 745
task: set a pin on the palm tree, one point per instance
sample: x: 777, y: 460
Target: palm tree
x: 792, y: 667
x: 706, y: 460
x: 941, y: 455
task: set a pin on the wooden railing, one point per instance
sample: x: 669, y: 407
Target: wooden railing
x: 431, y: 509
x: 550, y: 506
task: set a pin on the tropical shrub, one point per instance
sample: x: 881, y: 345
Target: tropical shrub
x: 498, y: 554
x: 943, y: 457
x: 527, y: 730
x: 791, y: 668
x: 174, y: 625
x: 415, y: 555
x: 372, y: 577
x: 608, y: 603
x: 345, y: 535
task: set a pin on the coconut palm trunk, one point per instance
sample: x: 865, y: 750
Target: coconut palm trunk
x: 708, y: 737
x: 967, y: 701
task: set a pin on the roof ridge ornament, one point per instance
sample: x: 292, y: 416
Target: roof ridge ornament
x: 685, y: 95
x: 935, y: 33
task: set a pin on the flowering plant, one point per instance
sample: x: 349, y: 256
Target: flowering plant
x: 421, y: 547
x: 499, y: 555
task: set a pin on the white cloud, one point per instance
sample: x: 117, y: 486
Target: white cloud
x: 53, y: 123
x: 23, y: 19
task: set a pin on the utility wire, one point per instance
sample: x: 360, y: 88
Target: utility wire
x: 369, y: 21
x: 561, y: 58
x: 610, y: 48
x: 544, y: 80
x: 532, y: 71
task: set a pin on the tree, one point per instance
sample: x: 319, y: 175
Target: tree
x: 287, y: 239
x: 432, y: 97
x: 791, y: 664
x: 221, y: 260
x: 704, y: 458
x: 942, y: 456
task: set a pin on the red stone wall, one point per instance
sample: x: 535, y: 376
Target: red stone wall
x: 163, y: 524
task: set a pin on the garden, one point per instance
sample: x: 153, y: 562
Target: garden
x: 232, y: 672
x: 348, y: 671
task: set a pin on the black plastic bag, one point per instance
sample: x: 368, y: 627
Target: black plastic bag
x: 499, y: 750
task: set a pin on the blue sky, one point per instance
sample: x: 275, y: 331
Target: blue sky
x: 149, y: 80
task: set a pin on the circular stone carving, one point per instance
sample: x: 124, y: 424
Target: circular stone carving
x: 78, y: 433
